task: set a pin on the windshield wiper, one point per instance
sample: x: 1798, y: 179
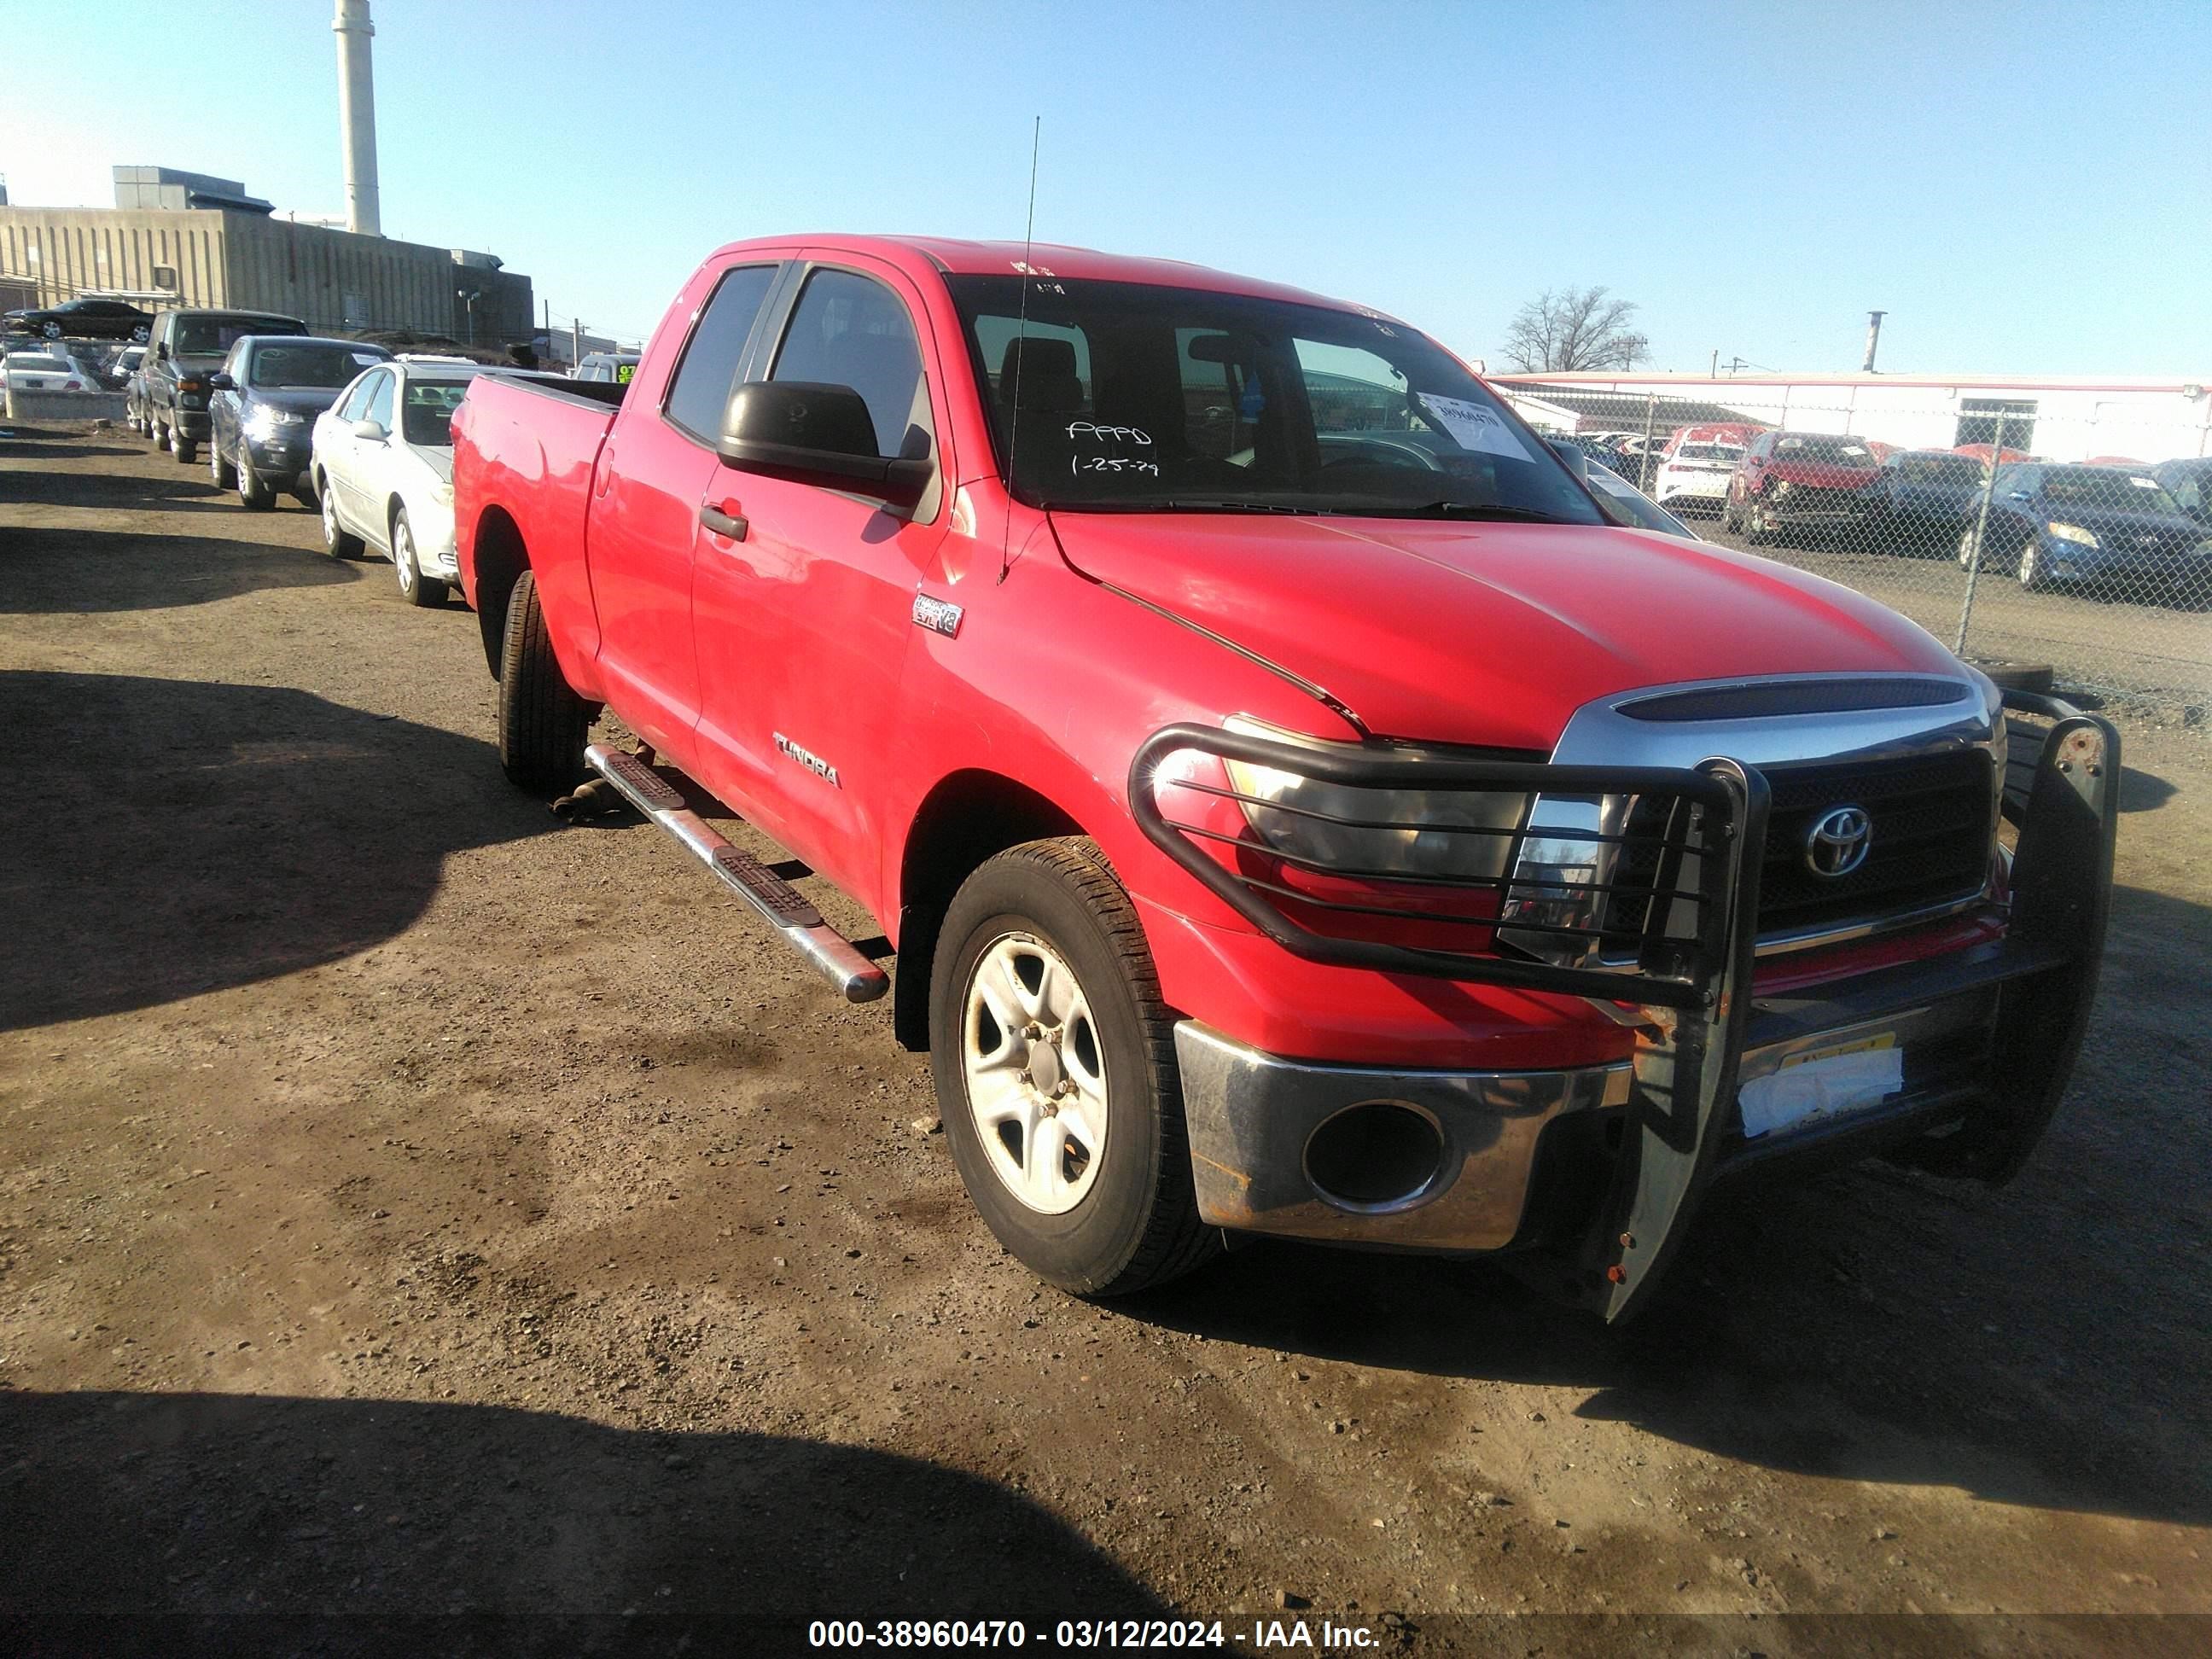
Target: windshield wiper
x: 1482, y: 510
x: 1182, y: 505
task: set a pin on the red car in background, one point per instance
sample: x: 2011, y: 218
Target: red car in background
x: 1800, y: 481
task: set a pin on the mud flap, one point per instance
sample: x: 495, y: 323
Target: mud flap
x: 2061, y: 893
x: 1683, y: 1102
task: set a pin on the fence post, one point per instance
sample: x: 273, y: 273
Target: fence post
x: 1981, y: 527
x: 1643, y: 460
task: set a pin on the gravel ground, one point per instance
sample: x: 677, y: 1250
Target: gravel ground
x: 412, y: 1206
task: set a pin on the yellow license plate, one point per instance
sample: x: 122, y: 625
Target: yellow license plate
x: 1860, y: 1046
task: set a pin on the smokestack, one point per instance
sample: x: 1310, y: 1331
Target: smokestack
x: 357, y: 115
x: 1874, y: 337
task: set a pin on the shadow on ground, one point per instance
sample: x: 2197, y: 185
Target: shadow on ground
x: 362, y: 1511
x: 168, y: 837
x: 2039, y: 1344
x: 48, y: 571
x: 185, y: 490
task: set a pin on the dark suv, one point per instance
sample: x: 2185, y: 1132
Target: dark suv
x: 188, y: 347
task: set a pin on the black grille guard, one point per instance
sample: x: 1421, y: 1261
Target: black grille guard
x: 1694, y: 967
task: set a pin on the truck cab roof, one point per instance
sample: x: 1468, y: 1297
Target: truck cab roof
x: 952, y: 256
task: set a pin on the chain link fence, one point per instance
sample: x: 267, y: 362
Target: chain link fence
x: 2078, y: 548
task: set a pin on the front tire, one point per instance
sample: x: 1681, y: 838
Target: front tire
x: 414, y: 586
x: 2033, y: 576
x: 224, y: 474
x: 1054, y: 1062
x: 542, y: 721
x: 338, y: 542
x: 254, y: 492
x: 185, y: 450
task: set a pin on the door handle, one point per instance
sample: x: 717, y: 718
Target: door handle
x: 724, y: 523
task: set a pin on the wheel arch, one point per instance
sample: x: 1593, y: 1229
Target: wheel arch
x: 501, y: 558
x: 967, y: 817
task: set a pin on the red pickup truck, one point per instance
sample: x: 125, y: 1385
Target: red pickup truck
x: 1296, y: 806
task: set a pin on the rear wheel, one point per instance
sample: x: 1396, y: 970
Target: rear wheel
x: 1054, y: 1062
x: 337, y: 541
x: 414, y: 586
x: 542, y: 721
x: 141, y: 333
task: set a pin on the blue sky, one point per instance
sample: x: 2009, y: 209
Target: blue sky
x: 2024, y: 188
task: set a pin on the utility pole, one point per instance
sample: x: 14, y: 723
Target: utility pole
x: 1714, y: 373
x: 576, y: 343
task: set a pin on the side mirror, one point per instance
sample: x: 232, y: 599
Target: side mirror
x: 815, y: 434
x: 162, y: 352
x: 221, y: 382
x: 370, y: 431
x: 1571, y: 453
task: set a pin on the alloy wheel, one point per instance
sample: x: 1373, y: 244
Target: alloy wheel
x: 1036, y: 1073
x: 403, y: 556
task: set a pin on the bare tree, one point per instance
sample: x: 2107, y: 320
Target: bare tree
x: 1575, y: 328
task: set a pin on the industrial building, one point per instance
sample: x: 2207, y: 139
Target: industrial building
x: 187, y: 239
x: 183, y: 239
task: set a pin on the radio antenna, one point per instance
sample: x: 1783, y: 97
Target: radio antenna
x: 1020, y: 351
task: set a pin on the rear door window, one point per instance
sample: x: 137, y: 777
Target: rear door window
x: 849, y: 329
x: 700, y: 390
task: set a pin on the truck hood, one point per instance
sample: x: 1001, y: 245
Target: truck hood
x: 1487, y: 634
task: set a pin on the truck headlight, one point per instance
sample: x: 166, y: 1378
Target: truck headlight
x: 1455, y: 833
x: 2073, y: 532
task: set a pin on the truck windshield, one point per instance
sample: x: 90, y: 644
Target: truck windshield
x: 1134, y: 398
x: 212, y: 337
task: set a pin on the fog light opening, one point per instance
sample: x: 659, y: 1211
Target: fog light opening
x: 1378, y: 1155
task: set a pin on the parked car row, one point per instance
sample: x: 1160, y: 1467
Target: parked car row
x: 348, y: 428
x: 2105, y: 522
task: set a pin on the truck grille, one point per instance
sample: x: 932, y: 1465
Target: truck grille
x: 1931, y: 845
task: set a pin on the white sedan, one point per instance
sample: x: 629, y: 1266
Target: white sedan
x: 383, y: 470
x: 48, y: 371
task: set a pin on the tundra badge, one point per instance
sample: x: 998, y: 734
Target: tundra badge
x: 812, y: 762
x: 938, y: 616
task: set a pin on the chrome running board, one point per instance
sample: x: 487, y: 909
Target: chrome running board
x: 833, y: 955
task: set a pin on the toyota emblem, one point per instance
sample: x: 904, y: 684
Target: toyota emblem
x: 1836, y: 843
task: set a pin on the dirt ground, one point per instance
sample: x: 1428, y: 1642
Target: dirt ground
x: 413, y: 1207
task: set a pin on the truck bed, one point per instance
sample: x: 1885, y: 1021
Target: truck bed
x: 526, y: 448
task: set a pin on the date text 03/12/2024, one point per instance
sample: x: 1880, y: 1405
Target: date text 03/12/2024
x: 1322, y: 1635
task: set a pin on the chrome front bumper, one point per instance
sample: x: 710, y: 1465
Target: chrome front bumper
x: 1250, y: 1116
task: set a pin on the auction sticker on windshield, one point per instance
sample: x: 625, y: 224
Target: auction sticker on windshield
x: 1474, y: 427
